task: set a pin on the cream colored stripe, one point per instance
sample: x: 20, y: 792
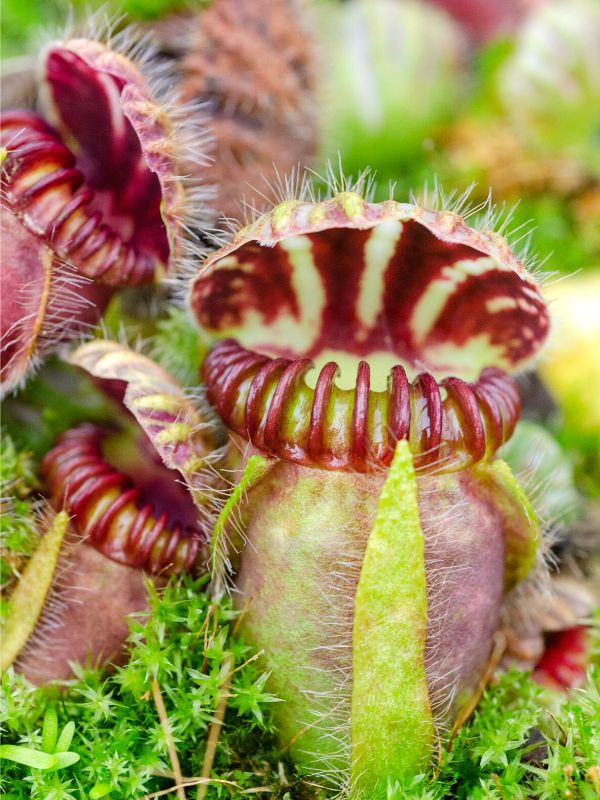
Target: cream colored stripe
x: 499, y: 304
x: 379, y: 248
x: 306, y: 279
x: 286, y: 331
x: 431, y: 303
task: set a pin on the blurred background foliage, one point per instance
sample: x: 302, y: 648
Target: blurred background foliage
x: 24, y: 21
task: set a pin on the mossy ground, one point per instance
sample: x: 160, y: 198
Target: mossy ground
x: 516, y: 745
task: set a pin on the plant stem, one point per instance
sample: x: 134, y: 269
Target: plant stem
x: 164, y: 721
x: 215, y: 728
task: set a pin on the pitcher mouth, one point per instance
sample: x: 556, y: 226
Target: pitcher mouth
x: 119, y: 516
x: 49, y: 192
x: 145, y: 490
x: 449, y: 425
x: 412, y: 319
x: 102, y: 185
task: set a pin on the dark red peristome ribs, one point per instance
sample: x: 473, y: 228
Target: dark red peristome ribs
x: 106, y: 507
x: 449, y: 426
x: 44, y: 187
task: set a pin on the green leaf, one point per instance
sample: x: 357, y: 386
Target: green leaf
x: 100, y: 790
x: 50, y: 731
x: 30, y: 758
x: 255, y: 469
x: 521, y: 526
x: 65, y: 759
x: 27, y: 600
x: 392, y: 731
x: 66, y: 737
x: 37, y: 759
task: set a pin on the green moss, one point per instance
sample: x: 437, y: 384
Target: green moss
x: 178, y: 346
x: 18, y: 529
x: 17, y: 471
x: 511, y: 747
x: 117, y: 733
